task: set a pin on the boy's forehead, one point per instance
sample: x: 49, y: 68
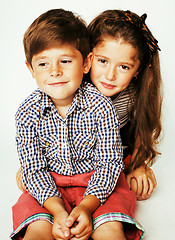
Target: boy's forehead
x: 60, y: 43
x: 62, y: 49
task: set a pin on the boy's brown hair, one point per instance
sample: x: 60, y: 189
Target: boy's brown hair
x: 53, y: 26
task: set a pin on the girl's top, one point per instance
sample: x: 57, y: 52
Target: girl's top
x: 124, y: 102
x: 87, y: 139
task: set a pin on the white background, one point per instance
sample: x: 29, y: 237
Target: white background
x: 156, y: 214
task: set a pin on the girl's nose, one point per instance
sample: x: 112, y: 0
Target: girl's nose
x: 56, y: 71
x: 111, y: 73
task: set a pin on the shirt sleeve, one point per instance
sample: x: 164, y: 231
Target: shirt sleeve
x: 35, y: 175
x: 109, y: 155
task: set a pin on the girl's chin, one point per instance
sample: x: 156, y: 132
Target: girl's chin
x: 109, y: 93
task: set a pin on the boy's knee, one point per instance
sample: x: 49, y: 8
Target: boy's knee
x: 109, y: 230
x: 40, y: 229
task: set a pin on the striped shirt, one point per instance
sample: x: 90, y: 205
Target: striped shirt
x: 124, y: 103
x: 87, y: 139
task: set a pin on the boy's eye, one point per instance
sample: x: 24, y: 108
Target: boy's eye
x: 42, y: 64
x: 66, y: 61
x: 101, y: 60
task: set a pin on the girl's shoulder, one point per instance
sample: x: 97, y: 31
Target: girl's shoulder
x: 124, y: 102
x: 126, y: 93
x: 95, y: 95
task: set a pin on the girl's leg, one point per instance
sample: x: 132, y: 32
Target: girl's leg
x: 39, y: 230
x: 109, y: 230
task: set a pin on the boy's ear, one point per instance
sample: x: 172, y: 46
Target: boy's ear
x: 88, y: 62
x: 30, y: 68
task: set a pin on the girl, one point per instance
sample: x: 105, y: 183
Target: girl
x: 126, y: 68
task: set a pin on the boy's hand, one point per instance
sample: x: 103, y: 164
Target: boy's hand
x: 80, y: 222
x: 56, y: 207
x: 142, y: 181
x: 80, y: 219
x: 59, y: 229
x: 19, y: 181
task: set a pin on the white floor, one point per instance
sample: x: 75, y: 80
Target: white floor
x: 156, y: 214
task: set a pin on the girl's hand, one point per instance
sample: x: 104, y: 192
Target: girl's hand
x: 142, y: 181
x: 80, y: 222
x: 19, y: 181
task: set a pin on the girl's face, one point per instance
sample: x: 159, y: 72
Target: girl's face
x: 114, y: 64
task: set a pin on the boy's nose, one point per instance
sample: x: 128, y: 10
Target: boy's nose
x: 56, y: 71
x: 111, y: 73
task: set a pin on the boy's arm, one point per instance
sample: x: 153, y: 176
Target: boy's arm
x: 36, y: 178
x: 108, y: 154
x: 56, y: 207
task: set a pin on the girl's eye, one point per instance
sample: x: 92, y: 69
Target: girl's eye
x: 124, y: 67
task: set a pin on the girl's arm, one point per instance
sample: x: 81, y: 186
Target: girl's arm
x: 141, y: 180
x: 19, y: 180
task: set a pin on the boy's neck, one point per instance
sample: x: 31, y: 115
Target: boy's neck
x: 63, y: 106
x: 63, y: 110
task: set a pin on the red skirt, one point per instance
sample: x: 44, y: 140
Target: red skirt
x: 120, y: 206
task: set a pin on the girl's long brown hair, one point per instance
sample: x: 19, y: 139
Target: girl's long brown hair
x: 146, y: 113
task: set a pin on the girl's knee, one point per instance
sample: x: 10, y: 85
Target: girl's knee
x: 40, y: 229
x: 111, y: 230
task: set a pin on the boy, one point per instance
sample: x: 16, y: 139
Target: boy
x: 67, y: 137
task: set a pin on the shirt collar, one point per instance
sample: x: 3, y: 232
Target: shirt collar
x: 82, y: 100
x: 46, y: 104
x: 84, y: 97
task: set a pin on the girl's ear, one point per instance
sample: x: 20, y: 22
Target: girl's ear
x: 30, y: 68
x: 135, y: 75
x: 88, y: 62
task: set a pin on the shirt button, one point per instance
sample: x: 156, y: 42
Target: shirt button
x: 47, y: 144
x: 68, y: 167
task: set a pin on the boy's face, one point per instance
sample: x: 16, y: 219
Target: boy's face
x: 114, y: 65
x: 59, y: 72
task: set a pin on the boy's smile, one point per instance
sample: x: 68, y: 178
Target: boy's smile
x: 114, y: 65
x: 58, y: 72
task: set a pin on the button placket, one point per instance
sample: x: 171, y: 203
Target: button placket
x: 66, y: 149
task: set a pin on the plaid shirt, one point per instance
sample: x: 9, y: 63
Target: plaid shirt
x: 87, y: 139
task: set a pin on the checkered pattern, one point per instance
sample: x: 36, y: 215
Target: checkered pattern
x: 87, y: 139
